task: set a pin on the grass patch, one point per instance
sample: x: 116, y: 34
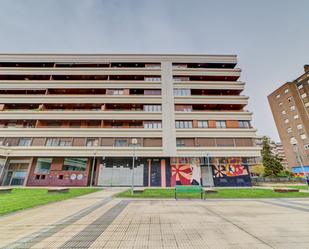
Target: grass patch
x: 222, y: 193
x: 21, y: 198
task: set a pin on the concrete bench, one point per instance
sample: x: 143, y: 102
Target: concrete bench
x: 5, y: 190
x: 210, y: 190
x: 138, y: 190
x: 285, y: 190
x: 57, y: 190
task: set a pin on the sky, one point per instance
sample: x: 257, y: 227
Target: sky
x: 270, y: 37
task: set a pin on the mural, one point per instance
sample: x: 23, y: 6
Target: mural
x: 230, y: 167
x: 185, y: 171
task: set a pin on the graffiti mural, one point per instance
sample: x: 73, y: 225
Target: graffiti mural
x: 229, y: 168
x: 185, y: 171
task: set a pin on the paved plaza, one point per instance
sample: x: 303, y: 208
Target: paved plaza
x: 99, y: 221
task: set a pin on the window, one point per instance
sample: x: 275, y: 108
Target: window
x: 121, y: 142
x: 307, y: 104
x: 152, y: 79
x: 296, y: 116
x: 74, y: 164
x: 115, y: 92
x: 202, y: 124
x: 152, y: 92
x: 299, y: 126
x: 280, y: 104
x: 289, y: 99
x: 182, y: 92
x: 304, y: 95
x: 244, y: 124
x: 152, y: 108
x: 292, y: 108
x: 278, y: 96
x: 52, y: 141
x: 65, y: 142
x: 43, y: 165
x: 300, y: 86
x: 286, y: 91
x: 289, y: 130
x: 220, y: 124
x: 286, y: 121
x: 283, y: 112
x: 152, y: 125
x: 92, y: 142
x: 177, y: 79
x: 180, y: 142
x: 24, y: 141
x: 183, y: 124
x: 306, y: 146
x: 303, y: 136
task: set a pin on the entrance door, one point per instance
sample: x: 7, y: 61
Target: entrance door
x: 207, y: 177
x: 155, y: 174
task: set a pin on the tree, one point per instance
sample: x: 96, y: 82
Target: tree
x: 272, y: 164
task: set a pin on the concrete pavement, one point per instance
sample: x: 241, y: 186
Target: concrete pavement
x: 99, y: 221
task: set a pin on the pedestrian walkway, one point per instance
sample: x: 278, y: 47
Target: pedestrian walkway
x: 100, y: 221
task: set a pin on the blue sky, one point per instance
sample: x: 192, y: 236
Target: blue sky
x: 270, y: 37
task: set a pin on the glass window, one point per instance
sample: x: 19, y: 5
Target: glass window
x: 306, y: 146
x: 286, y: 121
x: 283, y: 112
x: 152, y: 108
x: 244, y: 124
x: 296, y: 116
x: 74, y: 164
x: 289, y: 130
x: 180, y: 142
x: 43, y: 165
x: 92, y: 142
x: 304, y: 95
x: 52, y: 141
x: 278, y: 96
x: 220, y: 124
x: 292, y: 108
x: 300, y: 86
x: 303, y: 136
x: 286, y: 90
x: 25, y: 141
x: 299, y: 126
x: 121, y: 142
x: 182, y: 92
x: 152, y: 79
x: 202, y: 124
x: 289, y: 99
x: 65, y: 142
x: 280, y: 104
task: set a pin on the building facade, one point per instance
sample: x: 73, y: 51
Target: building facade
x: 78, y: 120
x: 290, y: 107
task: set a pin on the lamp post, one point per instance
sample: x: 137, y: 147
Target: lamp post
x: 209, y: 170
x: 293, y: 141
x: 134, y: 143
x: 92, y: 170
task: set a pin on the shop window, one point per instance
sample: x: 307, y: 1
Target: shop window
x: 74, y: 164
x: 43, y: 165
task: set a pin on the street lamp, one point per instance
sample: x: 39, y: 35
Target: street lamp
x: 209, y: 170
x: 134, y: 143
x: 293, y: 141
x: 92, y: 170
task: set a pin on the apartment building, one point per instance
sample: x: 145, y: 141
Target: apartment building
x: 290, y: 107
x: 79, y: 120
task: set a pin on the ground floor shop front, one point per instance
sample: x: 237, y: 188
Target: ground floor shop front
x: 118, y: 171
